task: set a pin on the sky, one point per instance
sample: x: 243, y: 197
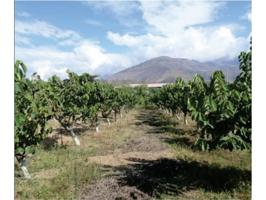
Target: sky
x: 104, y: 37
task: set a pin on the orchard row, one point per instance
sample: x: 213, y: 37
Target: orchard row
x: 222, y: 110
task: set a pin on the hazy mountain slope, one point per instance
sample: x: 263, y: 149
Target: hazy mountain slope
x: 166, y: 69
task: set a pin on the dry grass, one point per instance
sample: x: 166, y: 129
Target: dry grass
x: 59, y: 171
x: 128, y: 158
x: 146, y: 154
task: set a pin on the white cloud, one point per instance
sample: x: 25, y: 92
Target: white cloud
x: 176, y: 29
x: 247, y: 16
x: 119, y: 8
x: 172, y: 32
x: 85, y: 57
x: 133, y: 41
x: 46, y: 68
x: 168, y: 17
x: 124, y: 11
x: 22, y: 40
x: 46, y: 30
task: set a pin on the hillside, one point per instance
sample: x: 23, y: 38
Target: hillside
x: 166, y: 69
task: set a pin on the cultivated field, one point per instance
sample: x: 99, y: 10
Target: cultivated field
x: 144, y: 155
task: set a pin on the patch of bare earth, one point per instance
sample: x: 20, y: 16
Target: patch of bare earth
x: 145, y: 143
x: 126, y: 158
x: 141, y: 145
x: 110, y: 188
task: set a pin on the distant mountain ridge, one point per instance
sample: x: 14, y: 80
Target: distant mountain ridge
x: 166, y: 69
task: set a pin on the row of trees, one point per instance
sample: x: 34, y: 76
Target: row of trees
x: 79, y: 98
x: 221, y: 109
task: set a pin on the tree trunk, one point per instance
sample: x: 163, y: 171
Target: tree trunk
x: 76, y: 139
x: 185, y: 119
x: 178, y: 116
x: 115, y: 116
x: 23, y: 166
x: 109, y: 123
x: 97, y: 123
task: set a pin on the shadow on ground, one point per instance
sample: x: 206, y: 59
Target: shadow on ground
x: 173, y: 177
x: 51, y: 142
x: 160, y: 124
x: 154, y: 118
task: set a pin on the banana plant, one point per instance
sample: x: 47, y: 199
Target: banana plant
x: 182, y: 90
x: 223, y: 111
x: 196, y: 99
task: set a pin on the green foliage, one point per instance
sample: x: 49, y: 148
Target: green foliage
x: 139, y: 95
x: 73, y: 98
x: 222, y: 110
x: 197, y: 94
x: 79, y: 97
x: 173, y: 97
x: 31, y: 112
x: 106, y: 93
x: 123, y: 99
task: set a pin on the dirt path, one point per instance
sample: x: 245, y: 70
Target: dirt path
x: 145, y: 155
x: 143, y: 145
x: 115, y: 160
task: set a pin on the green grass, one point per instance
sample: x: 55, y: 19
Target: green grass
x: 60, y: 172
x: 57, y: 174
x: 214, y: 175
x: 64, y: 185
x: 218, y: 174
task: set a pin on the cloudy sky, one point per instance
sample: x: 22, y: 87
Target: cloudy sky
x: 103, y: 37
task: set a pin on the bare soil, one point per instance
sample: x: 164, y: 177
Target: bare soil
x: 129, y: 158
x: 109, y: 188
x: 146, y: 143
x: 144, y: 155
x: 141, y: 145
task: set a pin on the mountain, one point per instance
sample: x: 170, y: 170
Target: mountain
x: 167, y: 69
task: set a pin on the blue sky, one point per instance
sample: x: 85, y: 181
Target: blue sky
x: 103, y: 37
